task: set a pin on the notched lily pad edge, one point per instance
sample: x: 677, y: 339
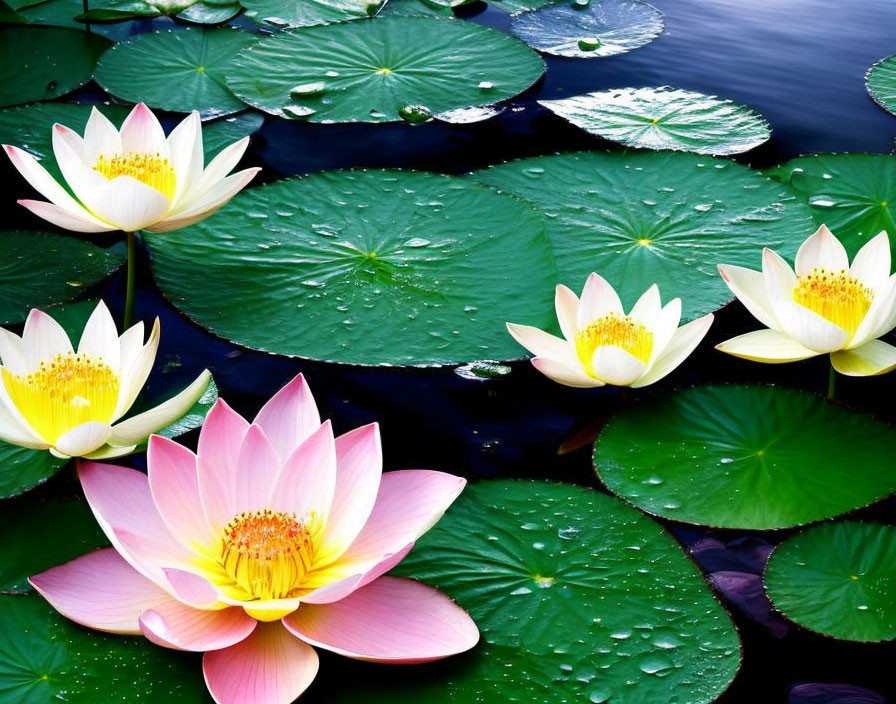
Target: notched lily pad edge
x: 871, y: 92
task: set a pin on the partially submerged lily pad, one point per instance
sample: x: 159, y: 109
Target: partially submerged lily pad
x: 386, y: 267
x: 372, y: 70
x: 750, y: 457
x: 600, y: 28
x: 838, y: 579
x: 195, y: 11
x: 655, y: 217
x: 308, y: 13
x: 665, y: 118
x: 881, y: 83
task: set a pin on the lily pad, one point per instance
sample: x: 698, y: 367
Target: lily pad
x: 308, y: 13
x: 178, y: 70
x: 41, y: 63
x: 516, y: 6
x: 45, y: 658
x: 364, y: 267
x: 24, y: 469
x: 415, y: 8
x: 578, y: 598
x: 601, y: 28
x: 39, y: 268
x: 665, y: 118
x: 31, y: 540
x: 853, y: 194
x: 370, y: 71
x: 195, y: 11
x: 751, y: 457
x: 881, y: 83
x: 651, y: 217
x: 838, y: 579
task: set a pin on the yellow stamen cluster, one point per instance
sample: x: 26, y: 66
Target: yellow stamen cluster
x: 63, y: 393
x: 613, y: 330
x: 835, y: 296
x: 150, y: 169
x: 267, y: 553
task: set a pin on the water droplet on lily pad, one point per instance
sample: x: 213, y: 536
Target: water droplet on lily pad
x: 305, y: 90
x: 486, y: 85
x: 589, y: 43
x: 415, y: 114
x: 580, y: 4
x: 482, y: 370
x: 298, y: 112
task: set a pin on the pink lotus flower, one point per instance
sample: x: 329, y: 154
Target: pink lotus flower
x: 270, y: 540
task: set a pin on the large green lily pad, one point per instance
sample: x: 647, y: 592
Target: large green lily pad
x: 308, y: 13
x: 371, y: 71
x: 41, y: 63
x: 46, y: 658
x: 881, y: 83
x: 578, y: 598
x: 853, y: 194
x: 663, y: 218
x: 516, y: 6
x: 38, y: 269
x: 416, y: 8
x: 178, y: 70
x: 24, y: 469
x: 365, y: 267
x: 838, y: 579
x: 751, y: 457
x: 602, y: 28
x: 665, y: 118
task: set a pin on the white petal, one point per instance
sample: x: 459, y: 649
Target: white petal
x: 566, y: 303
x: 108, y: 452
x: 881, y: 316
x: 648, y: 307
x: 684, y: 340
x: 68, y: 148
x: 821, y: 249
x: 12, y: 353
x: 84, y: 439
x: 16, y: 432
x: 134, y: 378
x: 100, y: 337
x: 598, y: 299
x: 810, y: 329
x: 142, y: 133
x: 542, y: 344
x: 185, y: 144
x: 749, y: 287
x: 613, y: 365
x: 769, y: 346
x: 664, y: 328
x: 100, y: 137
x: 129, y: 204
x: 213, y: 200
x: 81, y: 221
x: 130, y: 343
x: 42, y: 339
x: 871, y: 265
x: 780, y: 281
x: 872, y: 358
x: 223, y: 163
x: 564, y: 374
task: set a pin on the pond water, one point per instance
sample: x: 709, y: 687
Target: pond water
x: 800, y: 64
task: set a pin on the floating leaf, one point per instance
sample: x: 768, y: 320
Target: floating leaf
x: 853, y: 194
x: 838, y: 579
x: 308, y: 13
x: 665, y: 118
x: 881, y: 83
x: 601, y: 28
x: 661, y: 218
x: 41, y: 63
x: 374, y: 69
x: 415, y: 8
x: 24, y: 469
x: 385, y: 267
x: 752, y: 457
x: 514, y: 7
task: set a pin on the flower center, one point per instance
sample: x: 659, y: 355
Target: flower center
x: 150, y: 169
x: 267, y: 553
x: 63, y: 393
x: 613, y: 330
x: 837, y: 297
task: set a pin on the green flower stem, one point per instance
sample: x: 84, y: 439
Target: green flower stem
x: 132, y: 275
x: 86, y: 5
x: 832, y: 383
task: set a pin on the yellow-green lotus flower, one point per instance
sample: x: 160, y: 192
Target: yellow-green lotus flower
x: 69, y: 402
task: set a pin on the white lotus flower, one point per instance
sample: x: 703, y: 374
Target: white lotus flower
x: 53, y: 398
x: 132, y: 180
x: 603, y: 345
x: 825, y: 306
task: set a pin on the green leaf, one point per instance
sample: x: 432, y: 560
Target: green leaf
x: 308, y: 13
x: 31, y: 540
x: 119, y: 11
x: 853, y: 194
x: 41, y: 63
x: 665, y: 118
x: 22, y: 469
x: 39, y: 268
x: 225, y: 131
x: 45, y: 658
x: 9, y: 16
x: 602, y: 28
x: 415, y: 8
x: 881, y: 83
x: 838, y: 579
x: 179, y: 70
x: 516, y: 6
x: 364, y: 267
x: 645, y: 218
x: 210, y: 12
x: 579, y: 598
x: 369, y: 71
x: 751, y: 457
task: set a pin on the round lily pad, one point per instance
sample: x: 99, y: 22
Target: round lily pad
x: 46, y: 658
x: 364, y: 267
x: 881, y: 83
x: 516, y: 6
x: 751, y: 457
x: 416, y: 8
x: 601, y: 28
x: 38, y: 269
x: 308, y: 13
x: 579, y: 598
x: 665, y: 118
x: 41, y: 63
x: 853, y: 194
x: 178, y: 70
x: 24, y: 469
x: 838, y: 579
x: 370, y: 71
x: 656, y: 217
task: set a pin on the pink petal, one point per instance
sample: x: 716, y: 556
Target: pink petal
x: 258, y: 468
x: 192, y: 589
x: 307, y: 481
x: 269, y: 667
x: 42, y: 339
x: 289, y: 417
x: 390, y: 620
x: 100, y: 590
x: 142, y: 133
x: 175, y: 625
x: 219, y: 445
x: 336, y: 586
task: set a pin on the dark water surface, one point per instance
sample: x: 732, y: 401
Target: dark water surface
x: 801, y: 64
